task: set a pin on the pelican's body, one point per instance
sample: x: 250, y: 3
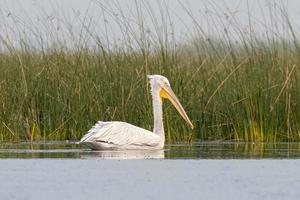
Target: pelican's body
x: 121, y: 135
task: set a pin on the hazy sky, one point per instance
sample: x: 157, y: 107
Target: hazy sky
x: 172, y: 16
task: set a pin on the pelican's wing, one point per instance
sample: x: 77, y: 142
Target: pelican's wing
x: 120, y: 133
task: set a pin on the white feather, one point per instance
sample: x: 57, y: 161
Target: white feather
x: 118, y: 135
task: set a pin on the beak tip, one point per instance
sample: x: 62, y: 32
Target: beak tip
x: 192, y: 126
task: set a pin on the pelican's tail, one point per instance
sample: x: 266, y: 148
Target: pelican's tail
x: 92, y: 132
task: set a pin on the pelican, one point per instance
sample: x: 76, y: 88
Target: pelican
x: 122, y: 135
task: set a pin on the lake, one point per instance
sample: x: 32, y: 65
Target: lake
x: 210, y: 170
x: 198, y: 150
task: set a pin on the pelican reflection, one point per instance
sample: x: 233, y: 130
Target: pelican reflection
x: 125, y: 155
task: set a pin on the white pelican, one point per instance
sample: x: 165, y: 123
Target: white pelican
x: 121, y: 135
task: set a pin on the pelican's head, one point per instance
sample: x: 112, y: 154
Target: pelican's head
x: 161, y: 85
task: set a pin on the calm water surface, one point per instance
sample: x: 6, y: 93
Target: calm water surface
x: 200, y: 171
x: 198, y: 150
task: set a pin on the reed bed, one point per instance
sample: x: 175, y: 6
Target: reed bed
x: 241, y: 88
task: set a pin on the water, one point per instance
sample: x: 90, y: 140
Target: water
x: 206, y: 170
x: 198, y: 150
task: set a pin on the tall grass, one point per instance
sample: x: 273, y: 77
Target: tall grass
x: 234, y: 86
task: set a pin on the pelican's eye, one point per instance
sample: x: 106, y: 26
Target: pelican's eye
x: 167, y: 82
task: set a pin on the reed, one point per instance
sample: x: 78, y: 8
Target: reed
x: 244, y: 89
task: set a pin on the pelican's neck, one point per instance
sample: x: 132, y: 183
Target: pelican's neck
x: 158, y: 114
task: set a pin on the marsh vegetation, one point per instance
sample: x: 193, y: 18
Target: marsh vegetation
x: 235, y: 85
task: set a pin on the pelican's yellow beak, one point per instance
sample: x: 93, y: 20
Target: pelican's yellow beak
x: 167, y: 92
